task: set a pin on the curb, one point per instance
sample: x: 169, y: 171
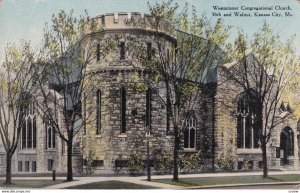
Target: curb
x: 241, y: 185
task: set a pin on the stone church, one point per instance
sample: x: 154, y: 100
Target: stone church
x: 219, y: 124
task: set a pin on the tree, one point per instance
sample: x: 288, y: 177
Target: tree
x: 15, y: 87
x: 69, y: 46
x: 266, y: 69
x: 182, y: 60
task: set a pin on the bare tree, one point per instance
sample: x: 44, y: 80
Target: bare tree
x: 266, y: 69
x: 181, y: 55
x: 15, y: 96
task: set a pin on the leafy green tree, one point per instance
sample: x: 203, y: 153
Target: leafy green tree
x: 69, y: 46
x: 16, y: 86
x: 183, y: 55
x: 266, y: 70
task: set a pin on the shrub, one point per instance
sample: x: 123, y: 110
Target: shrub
x: 226, y: 162
x: 90, y: 168
x: 163, y: 162
x: 192, y: 162
x: 135, y: 164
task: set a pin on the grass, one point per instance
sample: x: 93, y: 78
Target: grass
x: 210, y: 181
x: 112, y: 184
x: 30, y: 183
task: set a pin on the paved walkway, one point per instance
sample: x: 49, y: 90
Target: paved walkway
x: 142, y: 179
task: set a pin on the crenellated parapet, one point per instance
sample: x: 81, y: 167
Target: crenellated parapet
x: 123, y: 20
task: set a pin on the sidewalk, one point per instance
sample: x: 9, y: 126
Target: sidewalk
x: 141, y: 180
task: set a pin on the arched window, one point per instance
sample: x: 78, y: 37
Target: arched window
x: 123, y: 109
x: 50, y: 134
x: 99, y: 96
x: 287, y: 142
x: 28, y: 139
x: 247, y: 133
x: 190, y: 132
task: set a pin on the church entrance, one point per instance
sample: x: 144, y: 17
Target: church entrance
x: 286, y: 145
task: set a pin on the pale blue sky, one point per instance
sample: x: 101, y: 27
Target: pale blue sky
x: 25, y: 19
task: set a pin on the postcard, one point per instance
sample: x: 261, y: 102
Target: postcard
x: 158, y: 94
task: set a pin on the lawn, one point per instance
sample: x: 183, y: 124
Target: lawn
x: 210, y: 181
x: 112, y: 184
x: 30, y: 183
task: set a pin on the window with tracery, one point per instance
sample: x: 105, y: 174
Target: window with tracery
x: 28, y: 139
x: 190, y: 132
x: 247, y: 134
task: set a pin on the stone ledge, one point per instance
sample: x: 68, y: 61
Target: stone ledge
x: 28, y: 151
x: 98, y: 136
x: 122, y: 135
x: 189, y: 150
x: 248, y: 151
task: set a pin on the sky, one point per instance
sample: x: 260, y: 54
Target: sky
x: 25, y: 19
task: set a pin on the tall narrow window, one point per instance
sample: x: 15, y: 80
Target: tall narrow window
x: 50, y: 164
x: 122, y: 50
x: 33, y: 169
x: 149, y: 50
x: 98, y: 112
x: 247, y: 134
x: 148, y: 108
x: 28, y: 139
x: 84, y: 114
x: 190, y: 132
x: 29, y: 134
x: 20, y: 164
x: 34, y: 132
x: 26, y: 166
x: 168, y: 114
x: 24, y: 135
x: 98, y: 52
x: 50, y: 134
x: 123, y: 109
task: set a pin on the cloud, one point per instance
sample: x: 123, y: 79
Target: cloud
x: 1, y: 2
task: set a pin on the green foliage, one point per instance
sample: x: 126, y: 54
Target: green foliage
x: 163, y: 162
x: 135, y: 164
x: 246, y: 165
x: 90, y: 168
x: 192, y: 162
x: 226, y: 162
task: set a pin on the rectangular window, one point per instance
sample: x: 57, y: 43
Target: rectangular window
x: 33, y: 166
x: 98, y: 52
x: 98, y: 163
x: 122, y: 50
x: 26, y: 166
x: 20, y: 164
x: 149, y: 50
x: 50, y: 164
x: 240, y: 165
x: 123, y: 110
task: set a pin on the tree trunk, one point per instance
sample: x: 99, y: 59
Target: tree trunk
x: 176, y: 146
x: 265, y: 161
x: 8, y: 168
x: 175, y: 156
x: 69, y: 162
